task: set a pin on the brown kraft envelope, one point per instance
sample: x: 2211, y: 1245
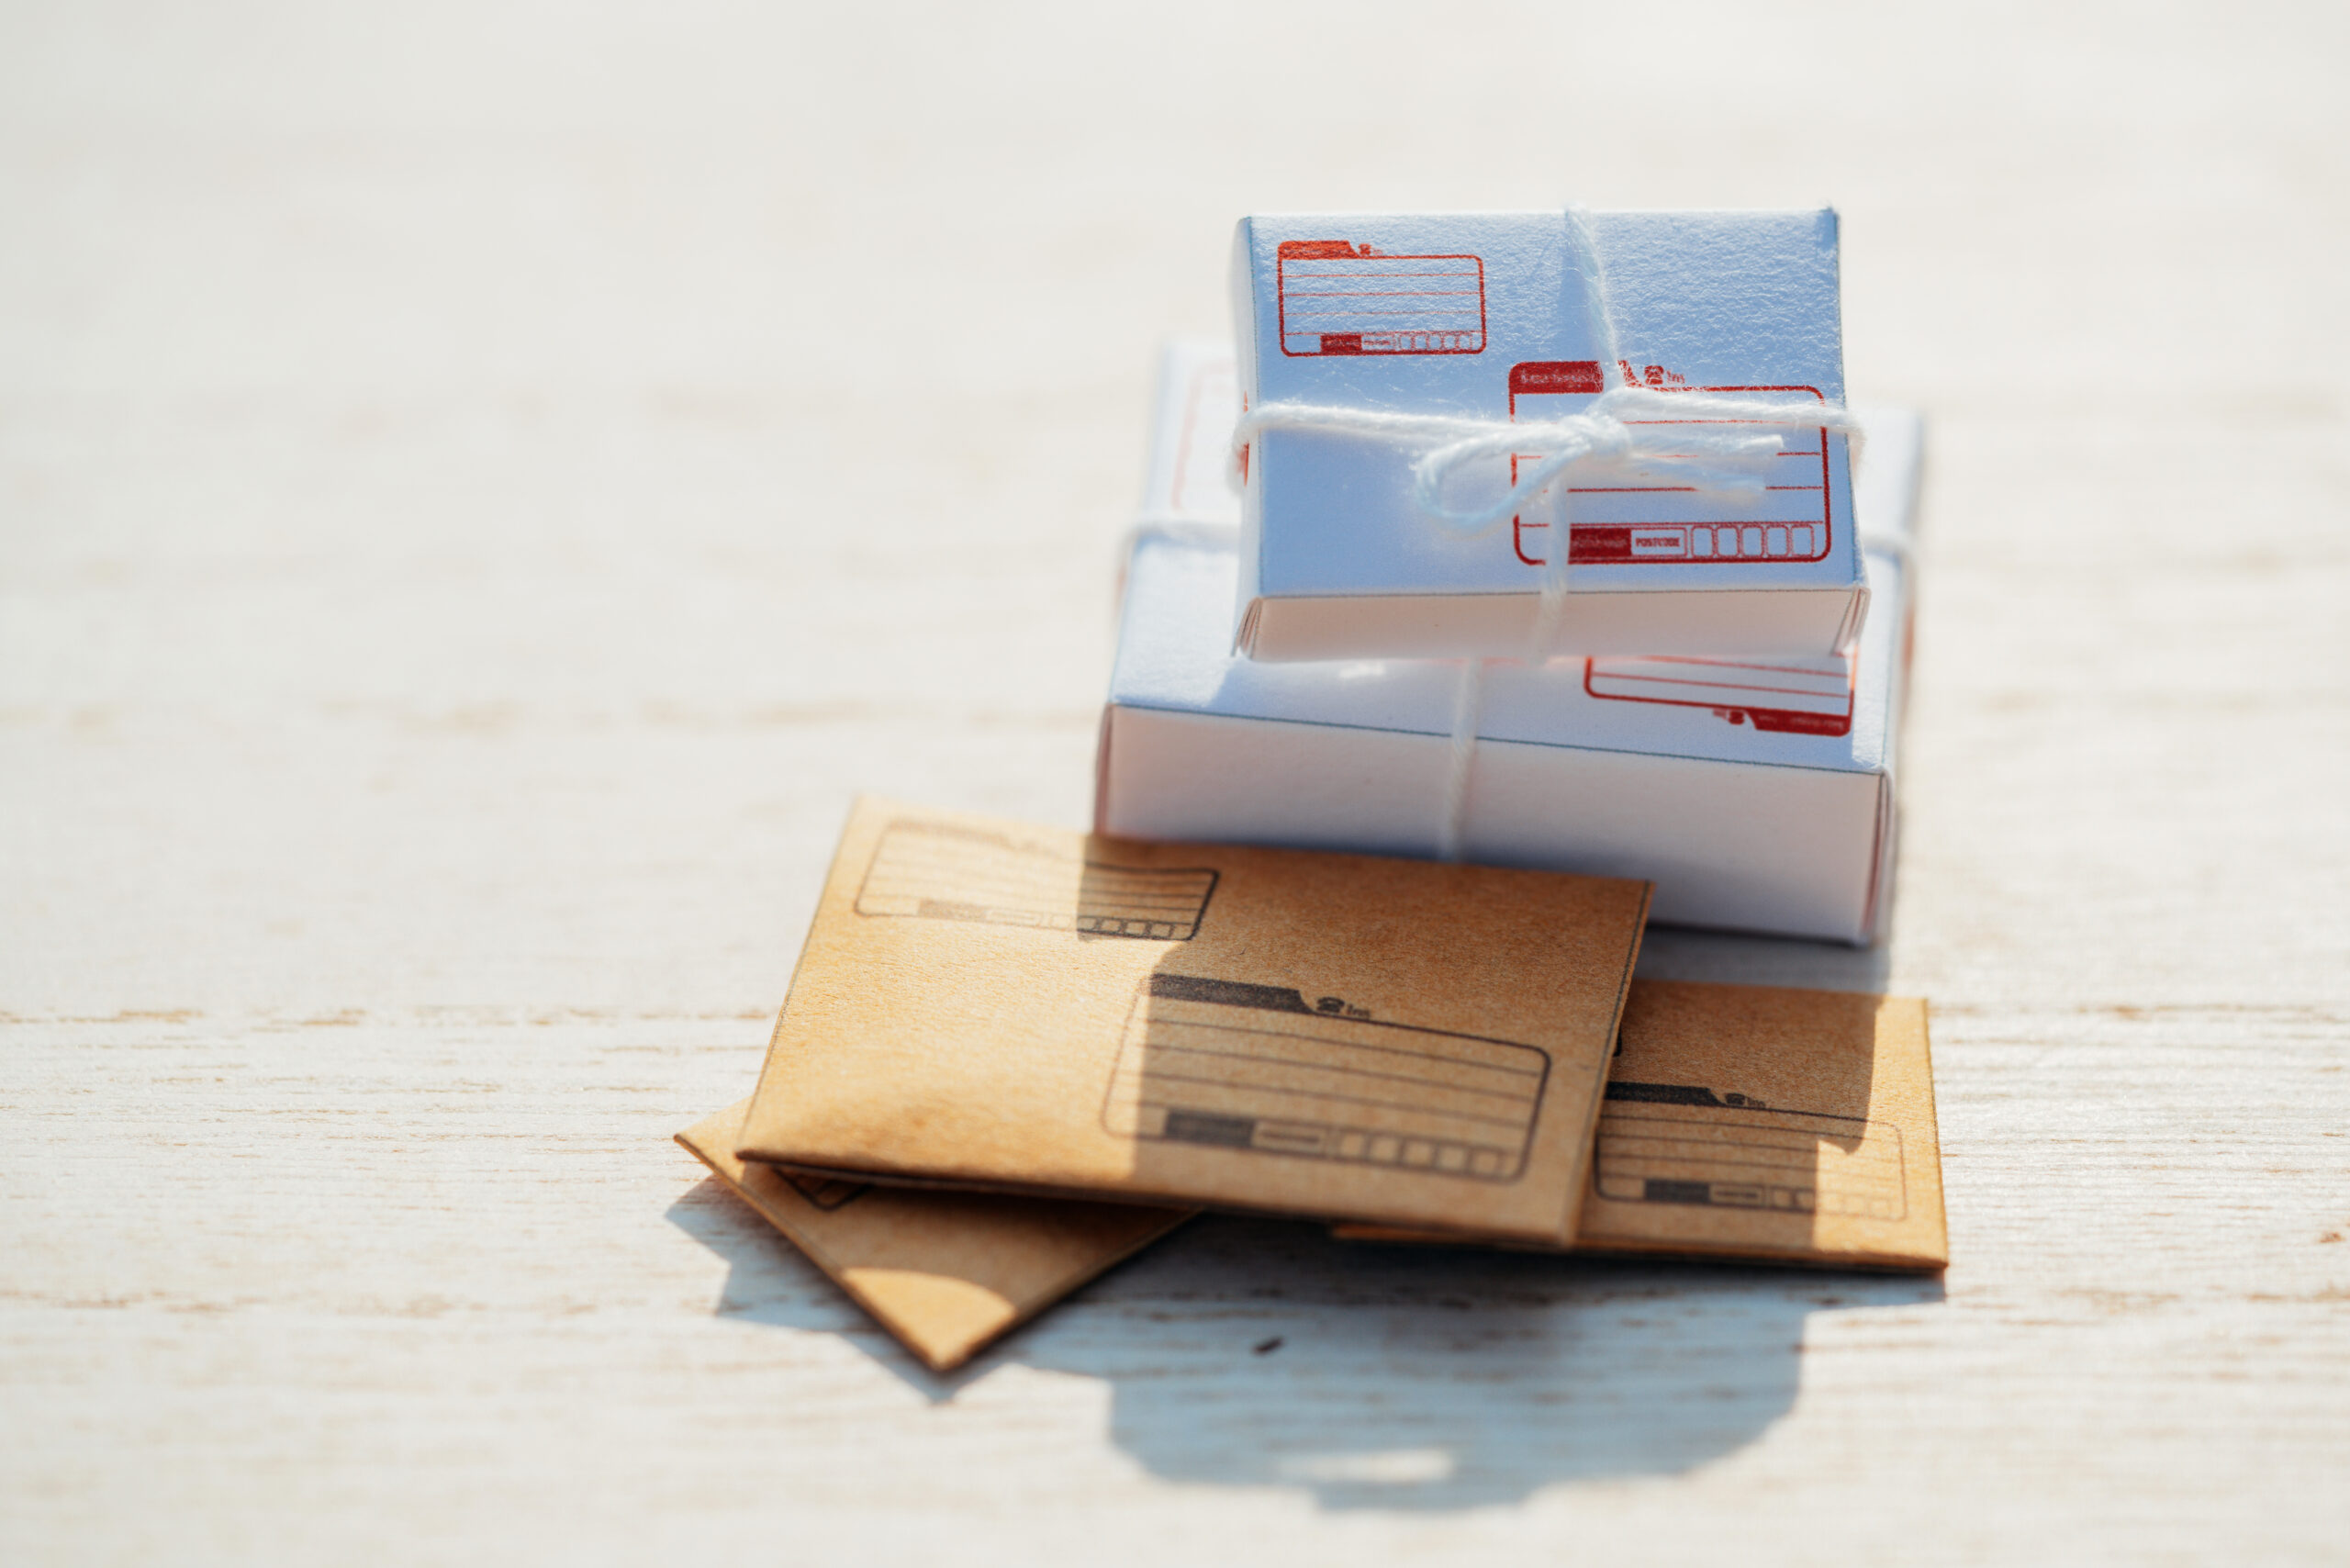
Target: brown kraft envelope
x: 987, y: 1004
x: 946, y: 1272
x: 1794, y: 1127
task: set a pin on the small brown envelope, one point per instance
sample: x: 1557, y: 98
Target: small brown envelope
x: 1397, y: 1042
x: 1794, y: 1127
x: 946, y: 1272
x: 1837, y: 1165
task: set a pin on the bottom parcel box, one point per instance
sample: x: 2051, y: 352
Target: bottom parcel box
x: 1757, y: 794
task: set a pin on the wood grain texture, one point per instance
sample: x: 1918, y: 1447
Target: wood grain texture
x: 481, y: 485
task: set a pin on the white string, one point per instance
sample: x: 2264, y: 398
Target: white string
x: 1599, y: 301
x: 1628, y: 434
x: 1550, y: 607
x: 1467, y: 718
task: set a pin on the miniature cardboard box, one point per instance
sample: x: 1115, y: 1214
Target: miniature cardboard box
x: 1756, y: 794
x: 1500, y: 317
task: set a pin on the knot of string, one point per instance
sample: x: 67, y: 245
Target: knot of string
x: 1719, y: 445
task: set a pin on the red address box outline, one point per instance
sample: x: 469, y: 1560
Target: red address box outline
x: 1666, y: 544
x: 1737, y: 692
x: 1399, y: 340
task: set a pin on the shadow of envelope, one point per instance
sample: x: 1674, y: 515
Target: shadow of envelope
x: 946, y: 1272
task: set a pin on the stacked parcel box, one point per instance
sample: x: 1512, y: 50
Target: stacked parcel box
x: 1714, y: 701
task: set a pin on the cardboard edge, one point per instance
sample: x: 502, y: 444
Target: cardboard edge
x: 944, y: 1356
x: 1571, y: 1222
x: 1102, y: 768
x: 1877, y: 916
x: 768, y: 1062
x: 1678, y: 1252
x: 1934, y: 1114
x: 962, y: 1182
x: 1856, y: 616
x: 1856, y: 1262
x: 940, y: 1359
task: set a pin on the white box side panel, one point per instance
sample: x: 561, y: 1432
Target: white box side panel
x: 1787, y: 850
x: 1792, y: 623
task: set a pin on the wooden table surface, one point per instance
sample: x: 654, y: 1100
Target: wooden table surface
x: 481, y: 485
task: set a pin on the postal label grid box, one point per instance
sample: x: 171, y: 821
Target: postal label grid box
x: 1497, y: 316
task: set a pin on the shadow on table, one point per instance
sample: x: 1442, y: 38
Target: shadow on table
x: 1248, y: 1352
x: 1728, y: 958
x: 769, y: 1281
x: 1268, y: 1354
x: 1261, y: 1353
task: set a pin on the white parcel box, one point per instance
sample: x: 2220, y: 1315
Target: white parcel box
x: 1756, y: 794
x: 1187, y: 480
x: 1517, y: 317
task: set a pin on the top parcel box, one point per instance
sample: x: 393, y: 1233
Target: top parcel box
x: 1517, y: 316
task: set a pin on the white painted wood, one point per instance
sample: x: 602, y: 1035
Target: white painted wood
x: 480, y: 486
